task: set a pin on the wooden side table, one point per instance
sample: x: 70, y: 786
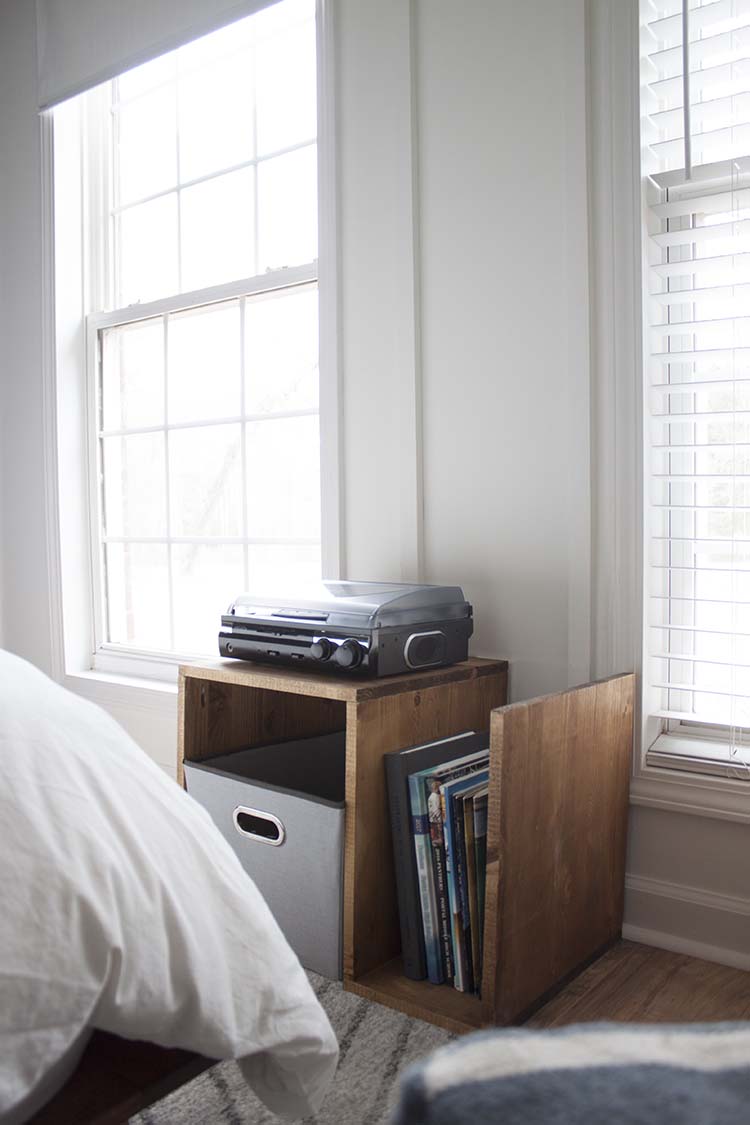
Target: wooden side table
x: 559, y: 772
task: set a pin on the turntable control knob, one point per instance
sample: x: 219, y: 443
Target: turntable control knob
x: 321, y: 650
x: 348, y: 654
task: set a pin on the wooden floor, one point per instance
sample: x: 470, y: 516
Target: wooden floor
x: 640, y: 984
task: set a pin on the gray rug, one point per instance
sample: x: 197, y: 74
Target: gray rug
x: 376, y: 1044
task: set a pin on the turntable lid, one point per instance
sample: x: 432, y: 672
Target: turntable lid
x: 364, y: 605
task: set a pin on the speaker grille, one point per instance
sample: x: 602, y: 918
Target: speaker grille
x: 422, y: 649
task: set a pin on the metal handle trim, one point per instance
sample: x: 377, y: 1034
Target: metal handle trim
x: 243, y: 810
x: 418, y: 636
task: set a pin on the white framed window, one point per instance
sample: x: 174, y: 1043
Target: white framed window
x: 200, y: 279
x: 695, y: 133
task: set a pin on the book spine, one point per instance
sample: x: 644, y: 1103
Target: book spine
x: 412, y: 944
x: 480, y: 853
x: 444, y: 918
x: 471, y: 881
x: 421, y: 835
x: 463, y: 891
x: 459, y: 977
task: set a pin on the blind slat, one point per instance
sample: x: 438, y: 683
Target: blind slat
x: 715, y: 204
x: 697, y: 236
x: 730, y: 263
x: 667, y: 92
x: 704, y: 385
x: 734, y: 138
x: 728, y: 294
x: 700, y: 354
x: 693, y: 689
x: 701, y: 507
x: 701, y: 416
x: 700, y: 629
x: 688, y: 327
x: 657, y: 655
x: 670, y: 26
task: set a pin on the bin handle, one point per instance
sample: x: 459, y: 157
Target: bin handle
x: 263, y: 827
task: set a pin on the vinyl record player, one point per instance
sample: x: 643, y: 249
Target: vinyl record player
x: 370, y: 628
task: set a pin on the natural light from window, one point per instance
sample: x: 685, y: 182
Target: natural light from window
x: 696, y: 145
x: 204, y: 330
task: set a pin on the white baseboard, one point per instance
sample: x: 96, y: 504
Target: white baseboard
x: 689, y: 920
x: 675, y: 944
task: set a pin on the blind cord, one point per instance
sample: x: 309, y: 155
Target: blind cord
x: 686, y: 89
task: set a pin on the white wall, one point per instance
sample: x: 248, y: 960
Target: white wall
x: 24, y: 572
x: 379, y: 312
x: 503, y: 232
x: 464, y: 316
x: 688, y: 886
x: 464, y: 345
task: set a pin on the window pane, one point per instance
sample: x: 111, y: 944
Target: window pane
x: 288, y: 209
x: 206, y: 579
x: 280, y: 17
x: 138, y: 595
x: 236, y: 99
x: 286, y: 89
x: 205, y: 477
x: 220, y: 43
x: 283, y: 566
x: 218, y: 242
x: 283, y: 478
x: 281, y: 351
x: 147, y: 152
x: 133, y: 376
x: 145, y: 77
x: 216, y: 117
x: 204, y: 364
x: 147, y: 247
x: 135, y: 485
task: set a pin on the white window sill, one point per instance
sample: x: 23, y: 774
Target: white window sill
x: 692, y: 775
x: 110, y: 688
x: 691, y: 754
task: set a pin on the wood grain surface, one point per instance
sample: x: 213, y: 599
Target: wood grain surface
x: 557, y: 827
x: 216, y: 717
x: 445, y: 1007
x: 639, y: 984
x: 246, y: 673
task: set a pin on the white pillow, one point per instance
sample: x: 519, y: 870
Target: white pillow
x: 123, y: 908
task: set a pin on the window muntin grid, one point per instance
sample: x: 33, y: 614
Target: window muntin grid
x: 184, y: 483
x: 213, y: 164
x: 207, y: 438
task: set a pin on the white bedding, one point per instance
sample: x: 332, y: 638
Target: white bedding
x: 122, y: 908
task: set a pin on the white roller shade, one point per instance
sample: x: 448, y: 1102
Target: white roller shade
x: 698, y: 362
x: 81, y: 43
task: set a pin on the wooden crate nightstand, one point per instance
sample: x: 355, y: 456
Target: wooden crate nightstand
x: 551, y: 803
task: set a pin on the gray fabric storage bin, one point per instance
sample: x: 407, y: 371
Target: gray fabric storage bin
x: 281, y: 808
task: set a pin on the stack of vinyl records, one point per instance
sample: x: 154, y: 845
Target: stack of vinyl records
x: 438, y: 801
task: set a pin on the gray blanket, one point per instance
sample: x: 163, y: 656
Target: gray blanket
x: 629, y: 1074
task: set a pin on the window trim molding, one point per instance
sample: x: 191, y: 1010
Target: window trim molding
x: 614, y: 217
x: 49, y: 398
x: 70, y: 636
x: 617, y: 358
x: 270, y: 282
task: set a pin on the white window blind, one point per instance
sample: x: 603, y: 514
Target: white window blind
x: 696, y: 156
x: 81, y: 43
